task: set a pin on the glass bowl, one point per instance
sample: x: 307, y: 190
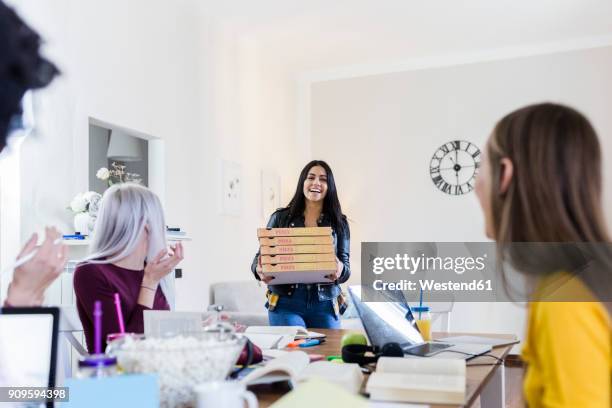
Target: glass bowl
x: 181, y: 361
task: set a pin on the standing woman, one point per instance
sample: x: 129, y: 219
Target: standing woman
x: 129, y: 257
x: 314, y: 204
x: 541, y: 181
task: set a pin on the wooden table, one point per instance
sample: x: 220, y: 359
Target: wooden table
x: 484, y: 381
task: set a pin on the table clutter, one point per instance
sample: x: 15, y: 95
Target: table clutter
x: 193, y: 369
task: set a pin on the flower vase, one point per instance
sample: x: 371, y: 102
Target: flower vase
x: 81, y: 223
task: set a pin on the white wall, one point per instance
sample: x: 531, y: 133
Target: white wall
x: 379, y: 133
x: 169, y: 70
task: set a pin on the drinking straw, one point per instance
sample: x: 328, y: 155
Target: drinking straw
x: 98, y: 327
x: 421, y: 304
x: 119, y: 313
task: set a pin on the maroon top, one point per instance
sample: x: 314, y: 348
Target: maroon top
x: 100, y: 282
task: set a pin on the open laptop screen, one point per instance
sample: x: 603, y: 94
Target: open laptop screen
x: 28, y: 344
x: 385, y: 322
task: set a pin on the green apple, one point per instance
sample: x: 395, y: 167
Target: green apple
x: 353, y: 338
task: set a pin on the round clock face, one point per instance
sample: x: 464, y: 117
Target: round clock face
x: 454, y: 166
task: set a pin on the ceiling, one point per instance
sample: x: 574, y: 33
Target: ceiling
x: 321, y: 34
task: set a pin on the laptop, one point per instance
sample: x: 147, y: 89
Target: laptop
x: 28, y: 346
x: 393, y: 321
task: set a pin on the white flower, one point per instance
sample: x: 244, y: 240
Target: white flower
x: 89, y: 195
x: 78, y: 203
x: 103, y: 173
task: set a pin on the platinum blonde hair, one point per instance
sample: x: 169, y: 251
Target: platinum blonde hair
x: 124, y: 212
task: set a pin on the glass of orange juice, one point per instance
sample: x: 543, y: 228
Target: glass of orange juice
x: 422, y: 317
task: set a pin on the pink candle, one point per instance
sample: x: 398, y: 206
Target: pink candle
x: 97, y: 327
x: 119, y: 313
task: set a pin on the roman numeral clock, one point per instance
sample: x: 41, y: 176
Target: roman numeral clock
x: 454, y: 166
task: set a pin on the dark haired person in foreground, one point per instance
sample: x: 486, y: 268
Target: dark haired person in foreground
x: 22, y: 68
x: 541, y: 182
x: 314, y: 204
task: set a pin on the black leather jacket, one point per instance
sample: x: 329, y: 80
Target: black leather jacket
x: 325, y: 291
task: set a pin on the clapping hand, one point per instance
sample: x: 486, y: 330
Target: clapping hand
x: 163, y: 263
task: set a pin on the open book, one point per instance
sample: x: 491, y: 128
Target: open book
x: 277, y: 337
x: 295, y: 366
x: 298, y: 332
x: 424, y: 380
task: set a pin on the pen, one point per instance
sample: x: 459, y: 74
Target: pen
x: 311, y: 343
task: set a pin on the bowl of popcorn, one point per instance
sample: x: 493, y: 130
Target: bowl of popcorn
x: 181, y: 362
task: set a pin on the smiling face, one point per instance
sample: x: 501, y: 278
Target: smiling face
x: 315, y: 185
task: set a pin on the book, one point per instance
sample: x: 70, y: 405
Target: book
x: 295, y: 366
x: 423, y: 380
x: 292, y: 258
x: 314, y: 240
x: 306, y: 272
x: 297, y: 332
x: 297, y: 249
x: 293, y: 232
x: 320, y: 393
x: 173, y: 232
x: 270, y: 341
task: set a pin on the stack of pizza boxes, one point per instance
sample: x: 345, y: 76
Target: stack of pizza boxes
x: 297, y: 255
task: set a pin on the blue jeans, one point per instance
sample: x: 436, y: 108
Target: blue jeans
x: 304, y: 309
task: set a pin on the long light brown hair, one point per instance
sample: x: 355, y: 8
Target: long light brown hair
x: 555, y: 194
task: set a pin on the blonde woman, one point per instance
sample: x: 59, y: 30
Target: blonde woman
x: 129, y: 257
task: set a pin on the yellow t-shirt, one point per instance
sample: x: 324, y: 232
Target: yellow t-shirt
x: 568, y: 351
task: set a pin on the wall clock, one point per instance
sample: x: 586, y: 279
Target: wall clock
x: 454, y: 166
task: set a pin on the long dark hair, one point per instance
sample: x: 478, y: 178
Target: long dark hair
x: 331, y: 204
x: 21, y: 68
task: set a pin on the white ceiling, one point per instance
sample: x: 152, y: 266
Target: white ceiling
x: 321, y: 34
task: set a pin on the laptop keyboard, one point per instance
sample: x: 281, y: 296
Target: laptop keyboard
x: 426, y: 348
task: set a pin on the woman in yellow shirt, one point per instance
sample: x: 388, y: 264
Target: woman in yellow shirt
x: 540, y: 181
